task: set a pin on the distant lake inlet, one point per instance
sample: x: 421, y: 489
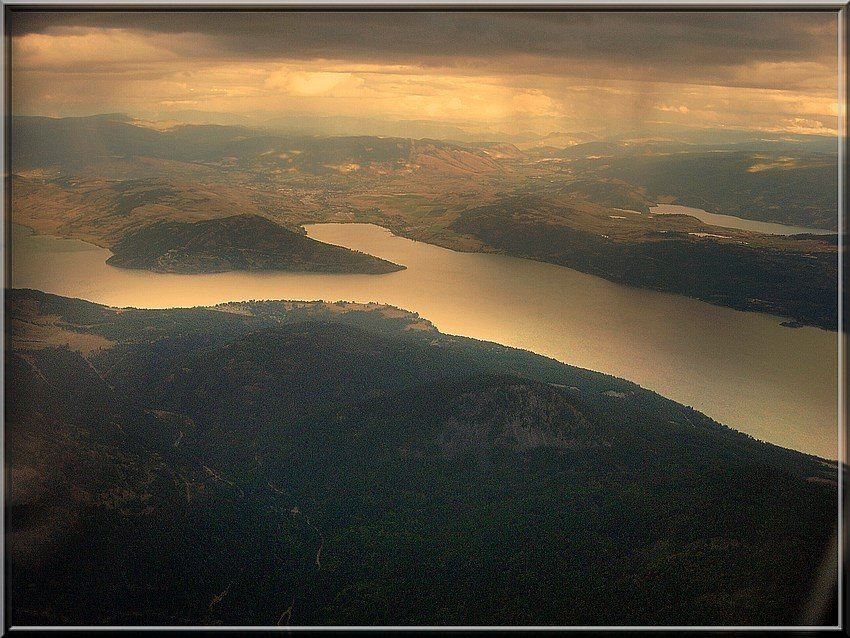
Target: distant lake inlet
x: 729, y: 221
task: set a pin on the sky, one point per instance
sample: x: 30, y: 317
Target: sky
x: 599, y: 72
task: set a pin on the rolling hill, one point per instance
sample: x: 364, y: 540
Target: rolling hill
x: 240, y: 242
x: 291, y: 463
x: 73, y: 143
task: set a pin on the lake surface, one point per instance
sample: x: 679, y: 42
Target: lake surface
x: 743, y: 369
x: 728, y: 221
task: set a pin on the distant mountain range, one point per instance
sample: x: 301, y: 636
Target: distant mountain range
x: 72, y: 143
x: 350, y: 125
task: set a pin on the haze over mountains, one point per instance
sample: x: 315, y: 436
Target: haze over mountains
x: 341, y: 125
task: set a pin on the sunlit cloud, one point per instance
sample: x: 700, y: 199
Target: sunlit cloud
x: 579, y: 72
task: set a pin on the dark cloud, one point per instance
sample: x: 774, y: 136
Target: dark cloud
x: 706, y: 67
x: 659, y: 40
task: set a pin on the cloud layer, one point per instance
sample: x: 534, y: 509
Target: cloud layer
x: 577, y: 69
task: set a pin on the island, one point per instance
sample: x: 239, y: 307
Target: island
x: 240, y: 242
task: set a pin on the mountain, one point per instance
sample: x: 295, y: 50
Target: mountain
x: 299, y: 463
x: 797, y: 189
x: 74, y: 143
x: 791, y: 180
x: 353, y: 126
x: 240, y: 242
x: 793, y: 277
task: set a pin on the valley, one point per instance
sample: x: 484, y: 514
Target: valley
x: 394, y: 317
x: 485, y: 198
x: 743, y: 369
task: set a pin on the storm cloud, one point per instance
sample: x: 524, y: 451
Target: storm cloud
x: 565, y: 52
x: 674, y: 45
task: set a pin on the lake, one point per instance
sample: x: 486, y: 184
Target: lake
x: 743, y: 369
x: 728, y: 221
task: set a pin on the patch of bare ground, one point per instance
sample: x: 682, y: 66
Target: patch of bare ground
x: 35, y: 333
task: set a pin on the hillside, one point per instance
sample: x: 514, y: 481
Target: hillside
x: 240, y: 242
x: 791, y: 188
x: 794, y: 277
x: 71, y: 144
x: 305, y: 463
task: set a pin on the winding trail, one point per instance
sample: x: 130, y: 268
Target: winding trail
x: 321, y: 543
x: 34, y: 367
x: 286, y: 613
x: 218, y: 477
x: 215, y: 600
x: 296, y: 512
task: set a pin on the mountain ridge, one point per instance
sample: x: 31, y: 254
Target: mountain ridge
x: 224, y: 465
